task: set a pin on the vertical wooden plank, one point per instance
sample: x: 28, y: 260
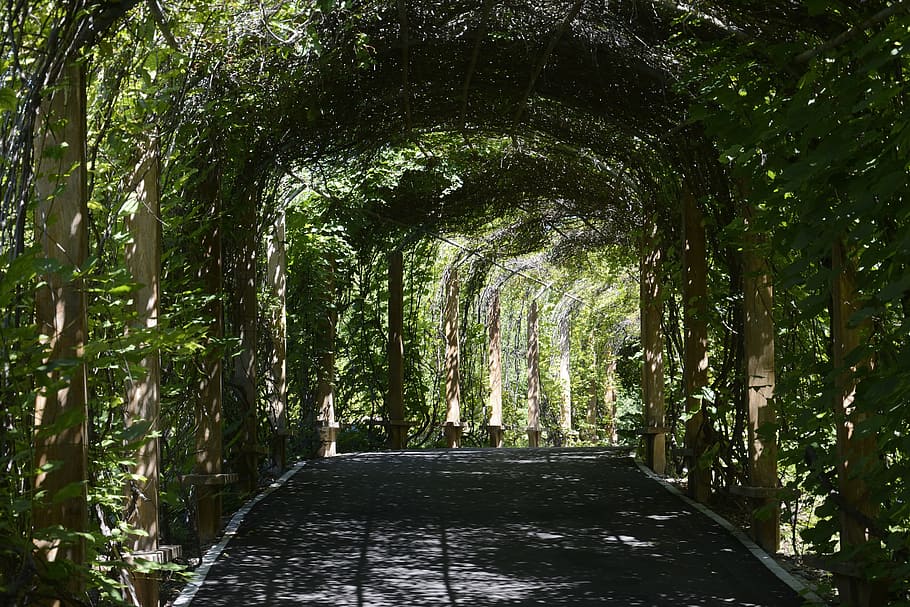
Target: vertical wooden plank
x: 494, y: 331
x: 695, y: 363
x: 143, y: 258
x: 533, y: 377
x: 565, y: 380
x: 245, y: 309
x: 209, y: 405
x: 398, y: 429
x: 325, y: 391
x: 610, y: 399
x: 652, y: 347
x: 61, y: 231
x: 276, y: 253
x: 758, y: 346
x: 453, y: 378
x: 857, y: 454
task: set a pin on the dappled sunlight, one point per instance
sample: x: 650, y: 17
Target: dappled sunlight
x: 483, y: 527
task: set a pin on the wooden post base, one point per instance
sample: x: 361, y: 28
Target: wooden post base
x: 208, y: 501
x: 398, y: 434
x: 699, y: 477
x: 765, y: 502
x: 533, y: 437
x: 279, y: 451
x: 453, y: 434
x: 496, y: 436
x: 655, y: 448
x: 328, y: 435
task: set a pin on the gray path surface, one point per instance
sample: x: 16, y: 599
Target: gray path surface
x: 483, y: 527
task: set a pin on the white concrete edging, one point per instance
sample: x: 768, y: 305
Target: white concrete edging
x: 782, y: 574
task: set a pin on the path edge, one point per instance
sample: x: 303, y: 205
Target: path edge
x: 800, y: 587
x: 201, y: 572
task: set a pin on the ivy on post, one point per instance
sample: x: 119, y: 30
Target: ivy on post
x: 533, y: 377
x: 652, y: 378
x: 695, y: 363
x: 61, y: 231
x: 276, y: 253
x: 494, y: 330
x: 398, y: 427
x: 452, y: 425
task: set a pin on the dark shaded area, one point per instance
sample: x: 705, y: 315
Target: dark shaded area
x: 484, y: 527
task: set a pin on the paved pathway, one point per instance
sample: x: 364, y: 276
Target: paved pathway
x: 483, y: 527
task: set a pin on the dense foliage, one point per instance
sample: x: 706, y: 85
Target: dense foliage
x: 519, y: 143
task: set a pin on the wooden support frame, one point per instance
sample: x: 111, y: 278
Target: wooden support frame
x: 533, y: 377
x: 452, y: 424
x: 758, y: 346
x: 494, y: 331
x: 61, y: 232
x: 695, y: 363
x: 209, y: 405
x: 276, y: 264
x: 143, y: 257
x: 398, y: 427
x: 652, y: 347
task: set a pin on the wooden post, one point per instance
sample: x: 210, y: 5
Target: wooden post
x: 591, y: 412
x: 143, y: 257
x: 453, y: 379
x: 245, y: 324
x: 325, y: 395
x: 565, y: 381
x: 533, y: 377
x: 277, y: 279
x: 61, y: 230
x: 695, y: 364
x: 857, y: 454
x: 398, y: 427
x: 758, y: 346
x: 611, y: 400
x: 208, y: 407
x: 652, y: 347
x: 494, y: 331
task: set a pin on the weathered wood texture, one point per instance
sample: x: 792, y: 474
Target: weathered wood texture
x: 857, y: 453
x: 325, y: 391
x: 494, y: 331
x: 758, y: 346
x: 398, y: 429
x: 244, y: 378
x: 209, y: 405
x: 695, y: 364
x: 276, y: 268
x: 61, y: 232
x: 452, y: 373
x: 143, y: 258
x: 565, y: 379
x: 652, y: 346
x: 533, y: 377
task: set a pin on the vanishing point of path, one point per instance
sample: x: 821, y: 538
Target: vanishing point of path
x: 483, y: 527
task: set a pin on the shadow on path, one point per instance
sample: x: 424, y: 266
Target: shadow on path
x: 483, y: 527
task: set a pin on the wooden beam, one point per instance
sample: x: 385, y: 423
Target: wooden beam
x: 209, y: 405
x: 494, y: 331
x: 325, y: 395
x: 453, y: 378
x: 857, y: 453
x: 398, y: 428
x: 565, y: 380
x: 276, y: 253
x: 533, y: 377
x: 758, y: 346
x: 245, y: 316
x: 695, y: 363
x: 61, y: 232
x: 652, y: 347
x: 143, y: 258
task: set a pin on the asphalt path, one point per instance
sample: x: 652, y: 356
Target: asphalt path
x: 469, y: 527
